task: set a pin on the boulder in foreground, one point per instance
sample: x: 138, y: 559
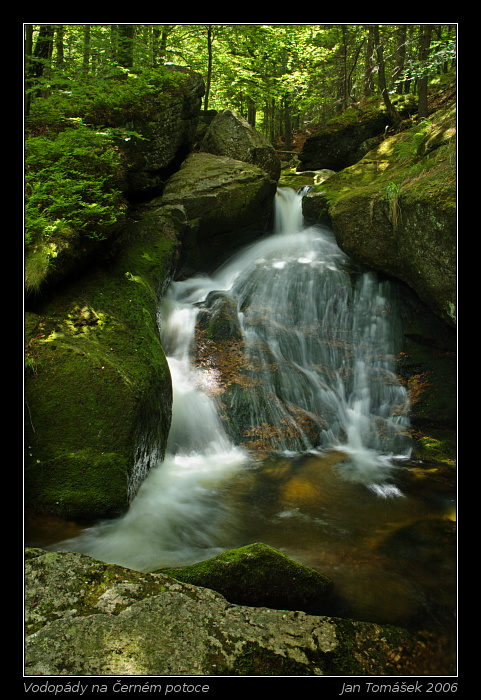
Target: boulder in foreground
x: 84, y: 617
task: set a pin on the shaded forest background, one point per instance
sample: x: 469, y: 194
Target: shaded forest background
x: 85, y: 84
x: 281, y: 78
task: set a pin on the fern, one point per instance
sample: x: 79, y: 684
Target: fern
x: 69, y: 184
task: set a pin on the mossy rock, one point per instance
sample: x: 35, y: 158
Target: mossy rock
x: 98, y: 386
x: 395, y: 210
x: 260, y: 576
x: 344, y: 138
x: 227, y: 202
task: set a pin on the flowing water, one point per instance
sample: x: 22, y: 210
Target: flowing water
x: 304, y: 444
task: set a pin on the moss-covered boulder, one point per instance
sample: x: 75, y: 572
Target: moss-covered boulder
x: 168, y: 134
x: 395, y: 210
x: 345, y: 138
x: 98, y: 387
x: 227, y: 201
x: 260, y: 576
x: 81, y: 182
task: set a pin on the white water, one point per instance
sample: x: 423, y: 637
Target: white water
x: 330, y: 332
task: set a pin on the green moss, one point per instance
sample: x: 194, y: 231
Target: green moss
x: 102, y: 383
x: 257, y: 575
x: 435, y: 445
x: 418, y: 162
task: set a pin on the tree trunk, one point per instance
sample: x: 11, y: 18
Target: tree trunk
x: 43, y: 50
x: 400, y: 58
x: 350, y: 91
x: 251, y: 112
x: 28, y: 65
x: 345, y: 86
x: 59, y: 46
x: 36, y: 59
x: 393, y: 115
x: 369, y: 62
x: 125, y: 55
x: 86, y: 49
x: 166, y: 29
x: 287, y: 123
x: 424, y: 43
x: 209, y: 67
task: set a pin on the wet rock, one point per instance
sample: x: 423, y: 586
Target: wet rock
x: 227, y: 202
x: 219, y: 320
x: 168, y: 135
x: 404, y: 194
x: 99, y: 388
x: 343, y: 141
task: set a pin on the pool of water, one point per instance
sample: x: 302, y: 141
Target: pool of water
x: 390, y: 551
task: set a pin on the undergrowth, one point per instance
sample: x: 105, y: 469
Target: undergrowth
x: 74, y: 161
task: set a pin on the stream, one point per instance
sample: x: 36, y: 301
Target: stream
x: 303, y: 445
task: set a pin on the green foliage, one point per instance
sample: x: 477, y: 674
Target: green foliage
x: 110, y: 100
x: 73, y: 160
x: 283, y: 76
x: 392, y: 192
x: 441, y: 53
x: 70, y: 184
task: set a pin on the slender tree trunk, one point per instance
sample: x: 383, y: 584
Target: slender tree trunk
x: 59, y: 46
x: 350, y: 94
x: 163, y: 42
x: 125, y: 56
x: 400, y: 58
x: 393, y: 115
x: 28, y: 65
x: 287, y: 123
x: 369, y: 62
x: 209, y: 67
x: 424, y: 43
x: 86, y: 49
x: 345, y: 86
x: 251, y: 112
x: 113, y: 43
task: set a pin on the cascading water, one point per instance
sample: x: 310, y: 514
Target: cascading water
x: 300, y: 447
x: 320, y: 335
x: 324, y: 336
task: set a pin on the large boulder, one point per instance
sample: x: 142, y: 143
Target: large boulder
x: 98, y: 387
x: 231, y: 135
x: 168, y: 135
x: 343, y: 141
x: 84, y: 618
x: 164, y: 136
x: 347, y: 137
x: 227, y: 201
x: 395, y: 210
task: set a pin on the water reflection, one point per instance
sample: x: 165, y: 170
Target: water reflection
x: 392, y: 558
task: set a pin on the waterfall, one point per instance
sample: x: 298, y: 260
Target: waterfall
x: 321, y: 336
